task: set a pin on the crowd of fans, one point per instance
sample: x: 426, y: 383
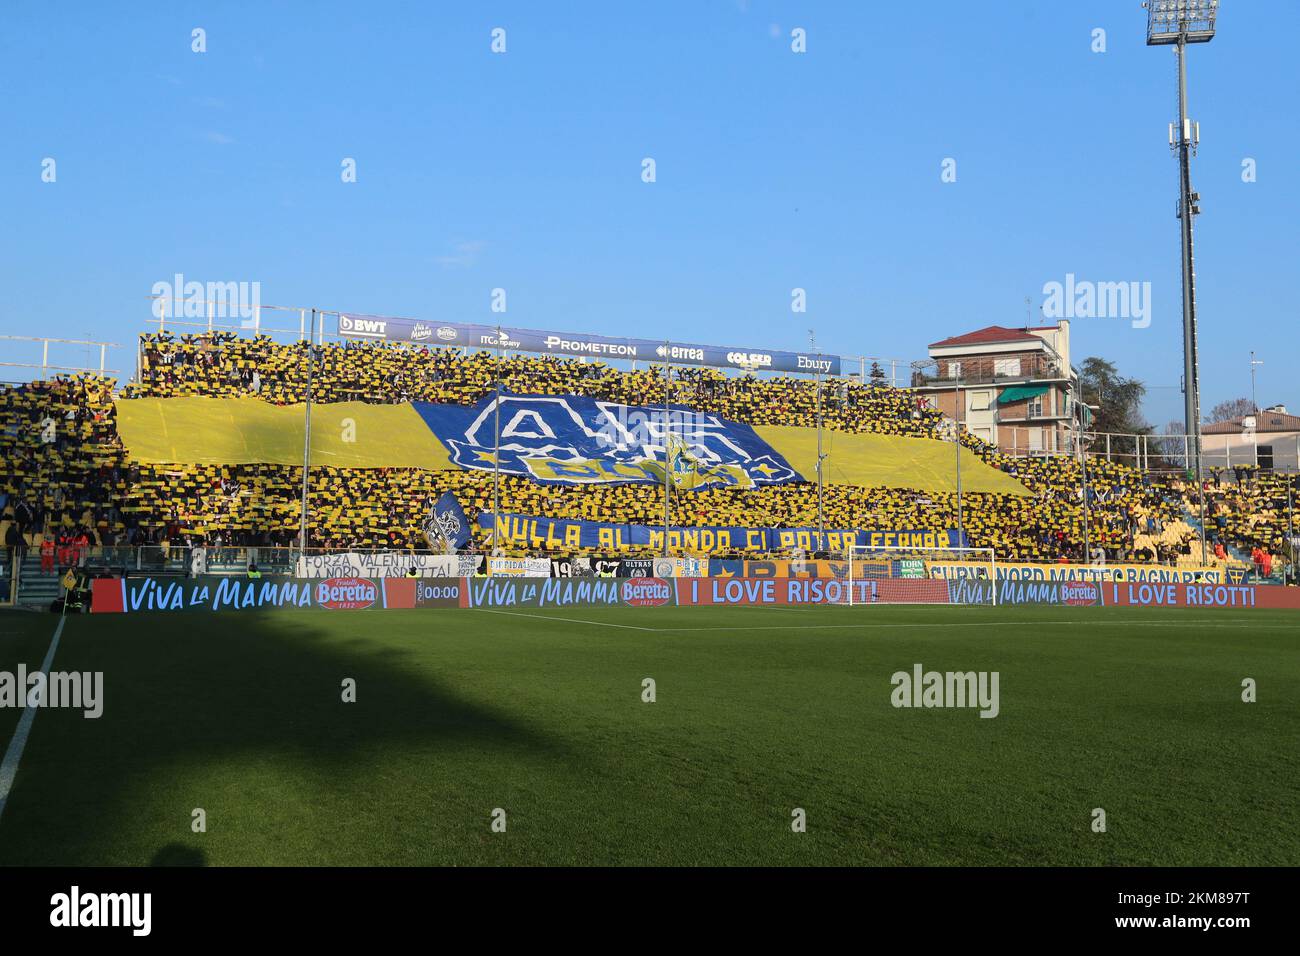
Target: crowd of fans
x: 68, y: 486
x: 225, y: 365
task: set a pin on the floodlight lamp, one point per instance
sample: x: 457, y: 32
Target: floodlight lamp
x: 1180, y: 21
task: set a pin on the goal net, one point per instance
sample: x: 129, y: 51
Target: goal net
x: 921, y: 576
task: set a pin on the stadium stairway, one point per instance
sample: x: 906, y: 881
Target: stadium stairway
x: 1235, y: 554
x: 36, y: 589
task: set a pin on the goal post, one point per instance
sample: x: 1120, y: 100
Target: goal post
x: 879, y: 575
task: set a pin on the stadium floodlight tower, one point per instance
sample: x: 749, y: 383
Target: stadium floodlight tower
x: 1177, y: 23
x: 314, y: 353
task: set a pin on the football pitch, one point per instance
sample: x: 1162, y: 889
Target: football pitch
x: 758, y: 713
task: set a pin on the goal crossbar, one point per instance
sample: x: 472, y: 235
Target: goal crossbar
x: 918, y: 575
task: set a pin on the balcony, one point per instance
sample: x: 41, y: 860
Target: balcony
x: 1040, y: 372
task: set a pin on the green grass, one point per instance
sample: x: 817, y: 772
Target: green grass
x: 759, y: 711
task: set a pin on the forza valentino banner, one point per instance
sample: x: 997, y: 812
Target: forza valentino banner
x: 385, y: 564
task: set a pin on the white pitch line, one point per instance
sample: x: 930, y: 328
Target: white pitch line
x: 942, y: 626
x: 568, y: 620
x: 9, y: 765
x: 880, y: 626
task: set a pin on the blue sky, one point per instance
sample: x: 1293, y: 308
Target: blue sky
x: 775, y: 170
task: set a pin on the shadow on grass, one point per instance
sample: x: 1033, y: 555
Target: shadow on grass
x: 176, y: 854
x: 185, y: 694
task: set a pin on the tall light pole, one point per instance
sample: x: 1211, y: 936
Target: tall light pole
x: 306, y: 439
x: 821, y: 484
x: 957, y: 429
x: 496, y: 451
x: 668, y: 458
x: 1254, y: 363
x: 956, y: 438
x: 1177, y: 23
x: 1083, y: 465
x: 1081, y: 409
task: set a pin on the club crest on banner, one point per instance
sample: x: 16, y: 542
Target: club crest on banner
x: 572, y: 439
x: 445, y: 526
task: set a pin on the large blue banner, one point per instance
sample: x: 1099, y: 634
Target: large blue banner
x: 558, y: 534
x: 573, y: 440
x: 574, y: 343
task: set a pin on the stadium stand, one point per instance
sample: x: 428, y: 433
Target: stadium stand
x: 68, y: 476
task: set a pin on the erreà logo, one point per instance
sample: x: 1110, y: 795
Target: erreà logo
x: 646, y: 592
x: 375, y: 328
x: 346, y: 594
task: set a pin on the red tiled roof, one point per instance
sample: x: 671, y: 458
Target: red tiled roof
x: 988, y: 336
x: 1264, y: 422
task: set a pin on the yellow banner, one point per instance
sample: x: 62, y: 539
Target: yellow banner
x: 887, y: 461
x: 237, y: 431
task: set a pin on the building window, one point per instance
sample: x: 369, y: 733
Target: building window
x: 980, y: 401
x: 1036, y: 407
x: 1009, y: 368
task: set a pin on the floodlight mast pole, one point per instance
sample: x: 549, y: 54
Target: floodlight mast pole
x: 496, y: 450
x: 1177, y: 23
x: 957, y: 399
x: 306, y: 440
x: 821, y: 484
x: 668, y: 463
x: 1187, y: 209
x: 1254, y: 363
x: 1083, y: 465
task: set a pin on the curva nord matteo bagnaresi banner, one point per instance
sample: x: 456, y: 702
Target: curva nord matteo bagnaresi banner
x: 582, y: 344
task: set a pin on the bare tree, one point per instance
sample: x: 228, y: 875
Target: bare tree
x: 1231, y: 410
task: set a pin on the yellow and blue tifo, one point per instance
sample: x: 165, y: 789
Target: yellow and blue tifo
x: 237, y: 431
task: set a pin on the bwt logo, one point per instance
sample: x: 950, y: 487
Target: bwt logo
x: 375, y: 328
x: 750, y: 359
x: 198, y: 300
x: 1098, y: 300
x: 346, y: 594
x: 646, y: 592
